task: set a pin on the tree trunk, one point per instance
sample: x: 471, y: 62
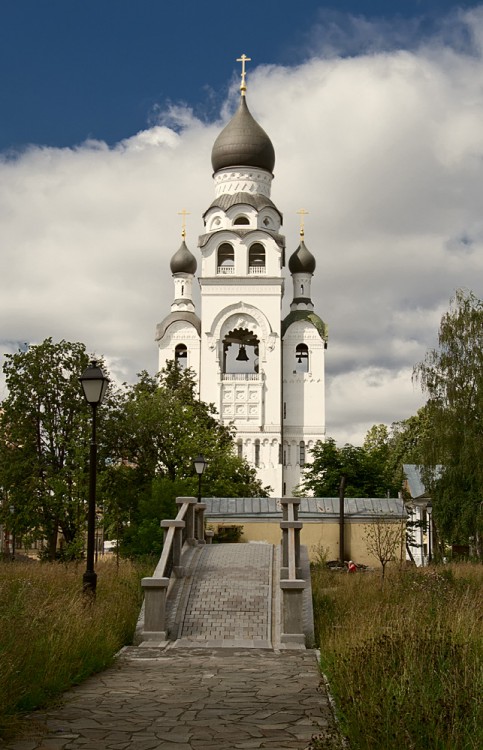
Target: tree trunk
x: 52, y: 544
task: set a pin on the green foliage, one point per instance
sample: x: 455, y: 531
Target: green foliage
x: 364, y: 467
x: 148, y: 435
x: 230, y: 533
x: 44, y: 429
x: 153, y: 433
x: 452, y: 376
x: 404, y: 662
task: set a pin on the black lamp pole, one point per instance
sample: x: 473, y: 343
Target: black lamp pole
x: 429, y: 513
x: 200, y: 465
x: 94, y: 386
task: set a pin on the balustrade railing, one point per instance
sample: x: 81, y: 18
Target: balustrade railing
x: 187, y: 529
x: 226, y: 376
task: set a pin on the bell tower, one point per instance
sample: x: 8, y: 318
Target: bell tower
x: 237, y: 347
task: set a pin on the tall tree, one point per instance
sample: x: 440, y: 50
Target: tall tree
x: 155, y: 430
x: 364, y: 468
x: 44, y: 434
x: 452, y: 377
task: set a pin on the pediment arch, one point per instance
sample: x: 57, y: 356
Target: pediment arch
x: 241, y: 315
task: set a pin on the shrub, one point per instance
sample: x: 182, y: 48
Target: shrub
x: 230, y: 533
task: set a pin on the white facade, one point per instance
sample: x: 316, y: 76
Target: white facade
x: 264, y: 374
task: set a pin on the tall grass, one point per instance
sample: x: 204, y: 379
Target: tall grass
x: 404, y: 662
x: 52, y: 636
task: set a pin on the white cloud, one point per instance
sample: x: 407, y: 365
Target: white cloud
x: 385, y: 151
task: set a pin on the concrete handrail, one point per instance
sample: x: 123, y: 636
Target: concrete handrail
x: 162, y: 565
x: 186, y: 528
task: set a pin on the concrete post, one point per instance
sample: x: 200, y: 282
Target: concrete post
x: 294, y: 502
x: 189, y: 518
x: 285, y: 526
x: 209, y: 536
x: 155, y: 590
x: 292, y: 616
x: 178, y: 527
x: 290, y: 514
x: 200, y: 522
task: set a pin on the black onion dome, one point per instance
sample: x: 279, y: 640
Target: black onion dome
x: 302, y: 260
x: 243, y: 143
x: 183, y: 261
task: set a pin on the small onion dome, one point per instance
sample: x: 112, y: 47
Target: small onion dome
x: 302, y: 260
x: 183, y: 261
x: 243, y: 143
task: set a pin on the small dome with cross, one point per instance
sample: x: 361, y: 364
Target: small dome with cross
x: 183, y: 261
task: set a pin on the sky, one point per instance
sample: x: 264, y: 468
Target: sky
x: 108, y: 113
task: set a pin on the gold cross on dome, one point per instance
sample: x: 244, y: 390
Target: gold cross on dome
x: 243, y: 59
x: 184, y: 213
x: 302, y: 213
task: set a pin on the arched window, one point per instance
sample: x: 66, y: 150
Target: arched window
x: 239, y: 448
x: 301, y: 358
x: 240, y: 352
x: 241, y: 220
x: 256, y: 258
x: 302, y: 453
x: 226, y: 258
x: 181, y: 356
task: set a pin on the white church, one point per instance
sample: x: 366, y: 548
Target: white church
x: 263, y: 372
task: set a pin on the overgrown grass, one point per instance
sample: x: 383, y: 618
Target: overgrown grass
x: 52, y: 636
x: 404, y: 663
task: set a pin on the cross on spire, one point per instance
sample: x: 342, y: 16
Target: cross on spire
x: 243, y: 59
x: 302, y: 213
x: 184, y: 213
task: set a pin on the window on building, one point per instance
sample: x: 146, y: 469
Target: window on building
x: 239, y: 448
x: 256, y: 258
x: 241, y: 220
x: 302, y: 453
x: 226, y: 258
x: 181, y: 356
x: 301, y: 358
x: 257, y: 452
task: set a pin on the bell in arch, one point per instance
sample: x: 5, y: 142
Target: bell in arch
x: 242, y: 354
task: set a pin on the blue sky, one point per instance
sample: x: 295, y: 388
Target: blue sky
x: 78, y: 69
x: 109, y: 110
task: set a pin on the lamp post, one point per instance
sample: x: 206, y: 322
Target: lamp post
x: 429, y: 510
x: 94, y: 386
x: 200, y: 465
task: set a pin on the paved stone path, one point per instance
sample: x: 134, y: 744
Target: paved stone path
x: 191, y: 699
x: 227, y: 600
x: 224, y: 683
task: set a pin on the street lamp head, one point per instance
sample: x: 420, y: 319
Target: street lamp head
x: 94, y: 384
x: 200, y: 464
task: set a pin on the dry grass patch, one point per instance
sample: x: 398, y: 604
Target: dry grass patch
x: 52, y: 636
x: 404, y: 663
